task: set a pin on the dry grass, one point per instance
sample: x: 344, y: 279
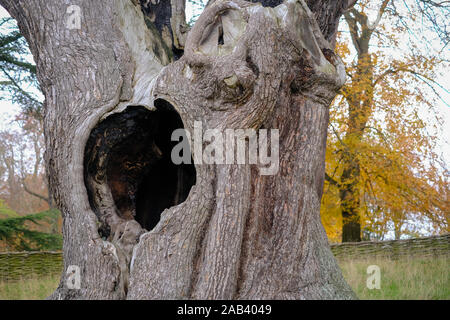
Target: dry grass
x: 418, y: 278
x: 406, y: 279
x: 35, y: 288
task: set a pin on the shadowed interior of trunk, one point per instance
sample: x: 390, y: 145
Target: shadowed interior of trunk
x: 129, y: 153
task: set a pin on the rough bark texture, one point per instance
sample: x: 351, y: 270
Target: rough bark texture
x: 238, y: 234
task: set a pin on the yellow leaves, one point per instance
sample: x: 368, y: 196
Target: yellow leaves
x: 342, y: 48
x: 331, y: 215
x: 393, y: 175
x: 375, y: 123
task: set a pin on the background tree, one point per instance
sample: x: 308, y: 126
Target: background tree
x: 22, y: 183
x: 21, y: 145
x: 20, y: 230
x: 382, y: 165
x: 18, y: 81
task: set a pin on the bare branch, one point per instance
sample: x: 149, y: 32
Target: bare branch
x: 27, y: 190
x: 331, y: 180
x: 374, y: 24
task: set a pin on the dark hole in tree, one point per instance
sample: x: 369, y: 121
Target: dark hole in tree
x: 131, y: 153
x: 220, y: 38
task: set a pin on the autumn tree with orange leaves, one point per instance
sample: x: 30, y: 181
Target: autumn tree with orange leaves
x: 382, y: 166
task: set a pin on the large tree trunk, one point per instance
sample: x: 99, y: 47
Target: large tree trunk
x: 140, y: 226
x: 359, y: 95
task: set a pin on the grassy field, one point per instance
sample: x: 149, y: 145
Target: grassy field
x: 36, y: 288
x: 404, y: 279
x: 424, y: 279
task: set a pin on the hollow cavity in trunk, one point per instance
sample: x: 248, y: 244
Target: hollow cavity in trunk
x: 129, y: 155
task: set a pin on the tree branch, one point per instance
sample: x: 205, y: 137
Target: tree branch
x: 350, y: 4
x: 27, y: 190
x: 25, y: 65
x: 331, y: 180
x: 373, y: 25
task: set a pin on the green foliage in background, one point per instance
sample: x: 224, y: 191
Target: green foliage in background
x: 19, y: 237
x: 18, y: 82
x: 5, y: 211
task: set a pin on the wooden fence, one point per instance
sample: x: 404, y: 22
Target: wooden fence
x: 395, y: 249
x: 17, y: 265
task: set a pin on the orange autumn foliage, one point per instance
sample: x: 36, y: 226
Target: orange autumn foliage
x: 381, y: 155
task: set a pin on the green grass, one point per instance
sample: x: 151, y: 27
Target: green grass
x: 407, y: 279
x: 418, y: 278
x: 35, y: 288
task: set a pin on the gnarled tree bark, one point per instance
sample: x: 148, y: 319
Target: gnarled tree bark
x: 141, y: 227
